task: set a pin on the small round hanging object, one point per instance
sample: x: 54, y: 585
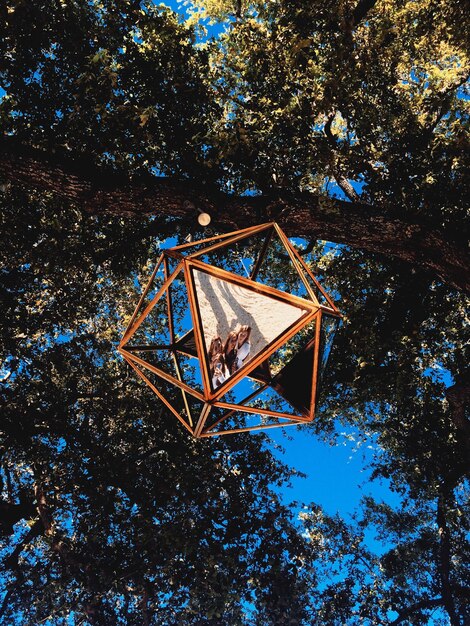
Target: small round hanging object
x: 204, y: 219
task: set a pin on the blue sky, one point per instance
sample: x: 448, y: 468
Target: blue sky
x: 336, y: 475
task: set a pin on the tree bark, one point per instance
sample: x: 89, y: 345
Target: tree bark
x: 423, y: 604
x: 11, y: 562
x: 342, y: 181
x: 458, y: 396
x: 311, y: 216
x: 6, y: 600
x: 361, y: 10
x: 445, y: 554
x: 145, y: 607
x: 11, y: 513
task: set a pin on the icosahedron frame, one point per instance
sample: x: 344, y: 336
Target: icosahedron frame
x: 184, y: 261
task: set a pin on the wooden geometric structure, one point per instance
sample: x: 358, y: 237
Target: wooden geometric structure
x: 197, y: 295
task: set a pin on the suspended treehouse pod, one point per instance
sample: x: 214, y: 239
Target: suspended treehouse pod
x: 240, y: 326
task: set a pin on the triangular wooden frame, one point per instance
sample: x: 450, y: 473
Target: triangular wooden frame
x: 309, y: 308
x: 187, y: 257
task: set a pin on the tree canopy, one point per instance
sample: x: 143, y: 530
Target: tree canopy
x: 346, y: 122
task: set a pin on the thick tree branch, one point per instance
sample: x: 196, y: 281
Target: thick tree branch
x: 57, y: 544
x: 146, y: 614
x: 422, y: 604
x: 458, y: 397
x: 444, y: 100
x: 11, y: 513
x: 361, y: 10
x: 343, y: 182
x: 445, y: 554
x: 36, y: 529
x: 303, y: 215
x: 6, y: 600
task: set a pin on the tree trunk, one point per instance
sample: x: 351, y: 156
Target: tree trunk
x: 303, y: 215
x: 445, y: 557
